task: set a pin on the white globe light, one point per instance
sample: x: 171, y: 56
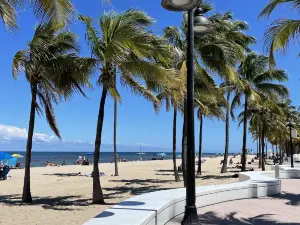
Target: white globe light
x: 180, y: 5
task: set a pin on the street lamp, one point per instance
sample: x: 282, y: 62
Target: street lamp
x: 293, y: 134
x: 197, y: 25
x: 179, y: 5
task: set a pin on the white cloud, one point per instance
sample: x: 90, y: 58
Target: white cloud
x: 10, y: 133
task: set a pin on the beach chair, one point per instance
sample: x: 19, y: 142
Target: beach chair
x: 4, y: 175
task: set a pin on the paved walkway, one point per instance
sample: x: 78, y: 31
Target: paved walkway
x: 283, y: 209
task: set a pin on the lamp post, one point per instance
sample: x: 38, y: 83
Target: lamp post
x: 197, y: 25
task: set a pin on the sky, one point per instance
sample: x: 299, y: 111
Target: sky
x: 137, y: 121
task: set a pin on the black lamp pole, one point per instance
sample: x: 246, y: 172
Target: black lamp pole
x: 199, y: 25
x: 190, y: 216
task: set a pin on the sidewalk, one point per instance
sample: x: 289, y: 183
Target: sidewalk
x: 282, y: 209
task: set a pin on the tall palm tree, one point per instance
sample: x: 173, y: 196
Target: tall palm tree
x: 282, y: 31
x: 56, y: 10
x: 125, y: 44
x: 216, y: 51
x: 173, y: 95
x: 209, y: 100
x: 115, y: 129
x: 53, y: 69
x: 233, y: 30
x: 265, y: 115
x: 256, y: 78
x: 227, y: 122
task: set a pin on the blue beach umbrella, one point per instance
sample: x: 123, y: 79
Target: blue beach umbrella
x: 7, y: 159
x: 5, y: 156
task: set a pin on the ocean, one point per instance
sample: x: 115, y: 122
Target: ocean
x: 40, y: 158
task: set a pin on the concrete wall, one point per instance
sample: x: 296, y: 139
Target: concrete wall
x: 157, y: 208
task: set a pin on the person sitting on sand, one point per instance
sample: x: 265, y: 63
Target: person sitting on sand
x: 230, y: 161
x: 50, y: 164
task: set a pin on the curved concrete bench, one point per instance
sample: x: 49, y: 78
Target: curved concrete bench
x: 157, y: 208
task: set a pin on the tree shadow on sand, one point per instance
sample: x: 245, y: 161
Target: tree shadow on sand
x: 143, y: 181
x: 211, y: 218
x: 217, y: 177
x: 65, y: 203
x: 61, y: 174
x: 293, y: 199
x: 165, y: 171
x: 115, y: 191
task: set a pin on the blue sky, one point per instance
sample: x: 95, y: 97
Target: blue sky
x: 137, y: 121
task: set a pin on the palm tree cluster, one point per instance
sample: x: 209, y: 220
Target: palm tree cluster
x: 123, y: 49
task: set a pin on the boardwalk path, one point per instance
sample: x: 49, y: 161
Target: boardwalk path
x: 283, y: 209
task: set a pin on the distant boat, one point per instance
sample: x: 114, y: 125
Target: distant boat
x: 141, y: 153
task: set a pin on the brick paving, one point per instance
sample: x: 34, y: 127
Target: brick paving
x: 283, y: 209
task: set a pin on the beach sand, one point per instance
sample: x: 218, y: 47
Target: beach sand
x: 62, y: 197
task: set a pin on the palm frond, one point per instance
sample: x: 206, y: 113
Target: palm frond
x: 273, y: 4
x: 19, y: 63
x: 279, y: 35
x: 140, y: 89
x: 60, y: 11
x: 278, y: 89
x: 8, y: 14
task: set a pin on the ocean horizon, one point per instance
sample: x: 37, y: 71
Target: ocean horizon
x: 40, y: 158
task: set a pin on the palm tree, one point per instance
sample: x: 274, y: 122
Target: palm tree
x: 219, y: 53
x: 115, y: 129
x: 173, y: 95
x: 282, y: 31
x: 227, y: 122
x: 256, y: 78
x: 264, y: 116
x: 59, y: 11
x: 53, y: 69
x: 209, y: 100
x: 233, y: 30
x: 126, y: 45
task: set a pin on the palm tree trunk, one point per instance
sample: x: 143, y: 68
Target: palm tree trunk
x: 199, y: 171
x: 244, y: 150
x: 184, y: 144
x: 26, y: 196
x: 273, y: 151
x: 177, y: 179
x: 115, y: 131
x: 224, y: 167
x: 263, y: 147
x: 98, y: 197
x: 259, y: 143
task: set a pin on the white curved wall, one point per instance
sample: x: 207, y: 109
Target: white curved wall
x: 157, y: 208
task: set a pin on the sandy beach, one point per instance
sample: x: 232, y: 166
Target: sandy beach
x: 63, y: 197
